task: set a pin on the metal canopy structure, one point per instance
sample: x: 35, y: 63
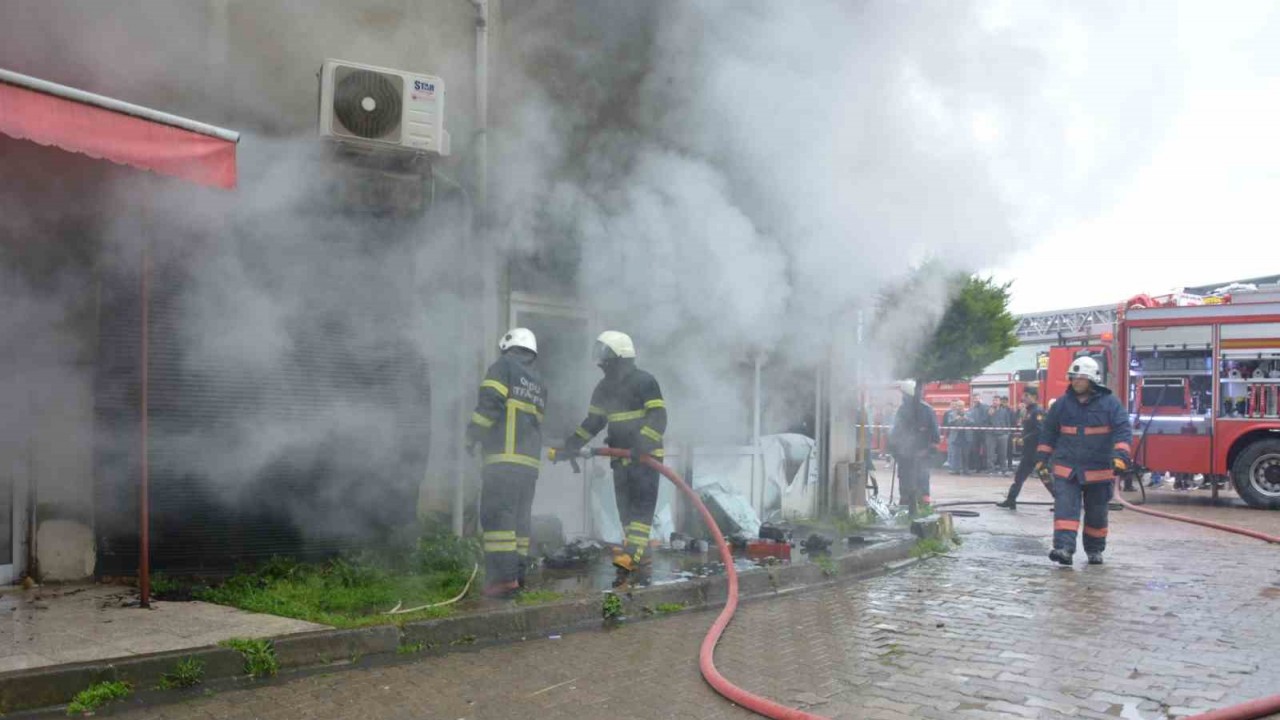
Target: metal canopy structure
x: 1074, y: 324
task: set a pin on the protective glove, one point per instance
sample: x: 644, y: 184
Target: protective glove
x: 1042, y: 472
x: 1120, y: 465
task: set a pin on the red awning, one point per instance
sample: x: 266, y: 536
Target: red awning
x: 101, y: 127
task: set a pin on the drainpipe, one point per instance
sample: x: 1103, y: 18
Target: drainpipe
x: 487, y: 256
x: 757, y: 457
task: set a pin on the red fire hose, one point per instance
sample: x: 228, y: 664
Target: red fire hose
x: 1194, y: 521
x: 706, y: 656
x: 1250, y: 710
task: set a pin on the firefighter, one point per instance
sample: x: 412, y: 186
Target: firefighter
x: 1031, y: 419
x: 629, y: 401
x: 507, y: 426
x: 1084, y: 442
x: 911, y: 439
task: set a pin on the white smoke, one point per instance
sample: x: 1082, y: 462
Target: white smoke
x: 745, y: 176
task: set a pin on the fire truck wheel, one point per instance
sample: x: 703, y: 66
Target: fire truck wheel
x: 1256, y: 474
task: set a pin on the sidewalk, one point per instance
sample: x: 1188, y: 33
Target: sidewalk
x: 80, y: 622
x: 57, y: 641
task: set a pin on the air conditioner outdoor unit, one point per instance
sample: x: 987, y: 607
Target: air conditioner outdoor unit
x: 382, y: 108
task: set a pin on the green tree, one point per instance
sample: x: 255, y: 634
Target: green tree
x: 975, y: 330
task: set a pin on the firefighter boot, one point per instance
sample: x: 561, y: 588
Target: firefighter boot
x: 1095, y: 558
x: 501, y: 590
x: 1006, y: 503
x: 1062, y: 557
x: 625, y: 568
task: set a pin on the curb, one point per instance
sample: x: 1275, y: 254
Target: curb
x: 37, y: 688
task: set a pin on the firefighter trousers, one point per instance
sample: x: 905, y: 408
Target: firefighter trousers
x: 913, y: 476
x: 1069, y: 494
x: 1026, y: 464
x: 635, y: 486
x: 506, y: 507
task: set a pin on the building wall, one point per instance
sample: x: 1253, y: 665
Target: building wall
x: 244, y: 64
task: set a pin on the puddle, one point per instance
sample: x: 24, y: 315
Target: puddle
x: 669, y: 567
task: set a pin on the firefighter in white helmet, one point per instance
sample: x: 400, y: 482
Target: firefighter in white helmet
x: 911, y: 440
x: 1084, y: 442
x: 629, y: 401
x: 507, y: 425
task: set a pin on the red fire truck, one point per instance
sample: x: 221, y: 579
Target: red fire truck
x: 1202, y: 383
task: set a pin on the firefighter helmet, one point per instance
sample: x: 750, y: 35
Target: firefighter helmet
x: 519, y: 338
x: 1085, y: 367
x: 613, y: 344
x: 908, y: 387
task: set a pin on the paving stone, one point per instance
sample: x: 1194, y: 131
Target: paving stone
x: 1019, y: 638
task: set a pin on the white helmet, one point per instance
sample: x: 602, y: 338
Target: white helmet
x: 613, y: 344
x: 519, y: 338
x: 908, y: 387
x: 1085, y: 367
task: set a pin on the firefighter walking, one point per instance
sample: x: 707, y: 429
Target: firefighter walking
x: 630, y: 403
x: 1084, y: 441
x: 507, y: 425
x: 1031, y: 419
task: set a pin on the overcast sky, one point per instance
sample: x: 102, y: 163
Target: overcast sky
x: 1205, y: 207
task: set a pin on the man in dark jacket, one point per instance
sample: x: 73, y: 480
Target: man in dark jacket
x: 629, y: 401
x: 1084, y: 441
x: 507, y: 425
x: 1031, y: 418
x: 912, y: 438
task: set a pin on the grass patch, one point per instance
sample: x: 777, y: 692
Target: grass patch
x: 611, y: 609
x: 355, y: 592
x: 188, y: 673
x: 537, y: 597
x: 97, y: 695
x: 411, y: 648
x: 853, y: 524
x: 669, y: 608
x: 827, y: 564
x: 259, y: 656
x: 929, y: 546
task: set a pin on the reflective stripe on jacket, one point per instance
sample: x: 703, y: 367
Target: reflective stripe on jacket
x: 1083, y: 438
x: 632, y: 407
x: 508, y: 417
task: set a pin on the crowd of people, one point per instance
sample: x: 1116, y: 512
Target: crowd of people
x: 980, y: 438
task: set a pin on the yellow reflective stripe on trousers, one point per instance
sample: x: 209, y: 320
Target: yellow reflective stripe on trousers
x: 655, y: 404
x: 481, y: 420
x: 582, y: 433
x: 596, y: 410
x: 650, y: 433
x: 514, y: 459
x: 500, y: 541
x: 502, y: 389
x: 625, y: 416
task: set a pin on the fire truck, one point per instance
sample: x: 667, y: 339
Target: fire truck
x: 1201, y: 377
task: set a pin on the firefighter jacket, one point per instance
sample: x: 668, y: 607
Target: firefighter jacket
x: 630, y: 402
x: 915, y: 429
x: 1032, y: 417
x: 1085, y: 438
x: 507, y: 420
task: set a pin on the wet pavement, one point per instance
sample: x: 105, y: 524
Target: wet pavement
x: 1180, y: 619
x: 80, y: 622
